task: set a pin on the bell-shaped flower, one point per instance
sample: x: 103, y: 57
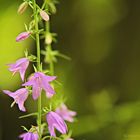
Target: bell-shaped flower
x: 38, y: 82
x: 55, y: 122
x: 29, y: 136
x: 19, y: 66
x: 65, y: 113
x: 19, y: 97
x: 22, y: 36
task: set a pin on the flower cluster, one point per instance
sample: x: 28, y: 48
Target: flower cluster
x: 39, y: 81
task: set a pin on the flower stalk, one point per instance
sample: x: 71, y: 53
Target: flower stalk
x: 38, y: 64
x: 49, y: 46
x: 39, y: 81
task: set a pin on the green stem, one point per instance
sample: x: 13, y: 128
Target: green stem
x: 50, y: 49
x: 47, y: 26
x: 38, y: 63
x: 51, y: 61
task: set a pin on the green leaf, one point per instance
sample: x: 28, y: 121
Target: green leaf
x: 24, y: 128
x: 52, y: 8
x: 35, y: 69
x: 26, y: 53
x: 26, y: 27
x: 28, y: 115
x: 32, y: 58
x: 64, y: 56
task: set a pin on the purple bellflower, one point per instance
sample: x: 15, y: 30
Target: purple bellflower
x: 22, y: 36
x: 29, y: 136
x: 55, y: 122
x: 66, y: 114
x: 38, y: 82
x: 20, y: 66
x: 19, y: 97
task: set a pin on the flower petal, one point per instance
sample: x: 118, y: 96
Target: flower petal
x: 29, y: 136
x: 65, y: 113
x: 52, y: 131
x: 54, y: 120
x: 36, y: 91
x: 47, y: 87
x: 11, y: 94
x: 49, y: 78
x: 19, y: 97
x: 20, y: 66
x: 22, y: 74
x: 23, y: 95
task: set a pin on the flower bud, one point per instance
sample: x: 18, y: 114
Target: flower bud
x: 22, y: 36
x: 22, y: 8
x: 44, y: 15
x: 48, y: 39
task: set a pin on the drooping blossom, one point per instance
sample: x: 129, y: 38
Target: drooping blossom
x: 22, y: 36
x: 44, y: 15
x: 19, y: 66
x: 29, y: 136
x: 65, y: 113
x: 40, y: 81
x: 19, y: 97
x: 55, y: 122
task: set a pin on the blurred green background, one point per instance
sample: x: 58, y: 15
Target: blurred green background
x: 102, y: 82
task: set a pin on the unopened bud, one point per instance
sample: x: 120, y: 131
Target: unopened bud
x: 22, y: 36
x: 48, y: 39
x: 44, y: 15
x: 22, y: 8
